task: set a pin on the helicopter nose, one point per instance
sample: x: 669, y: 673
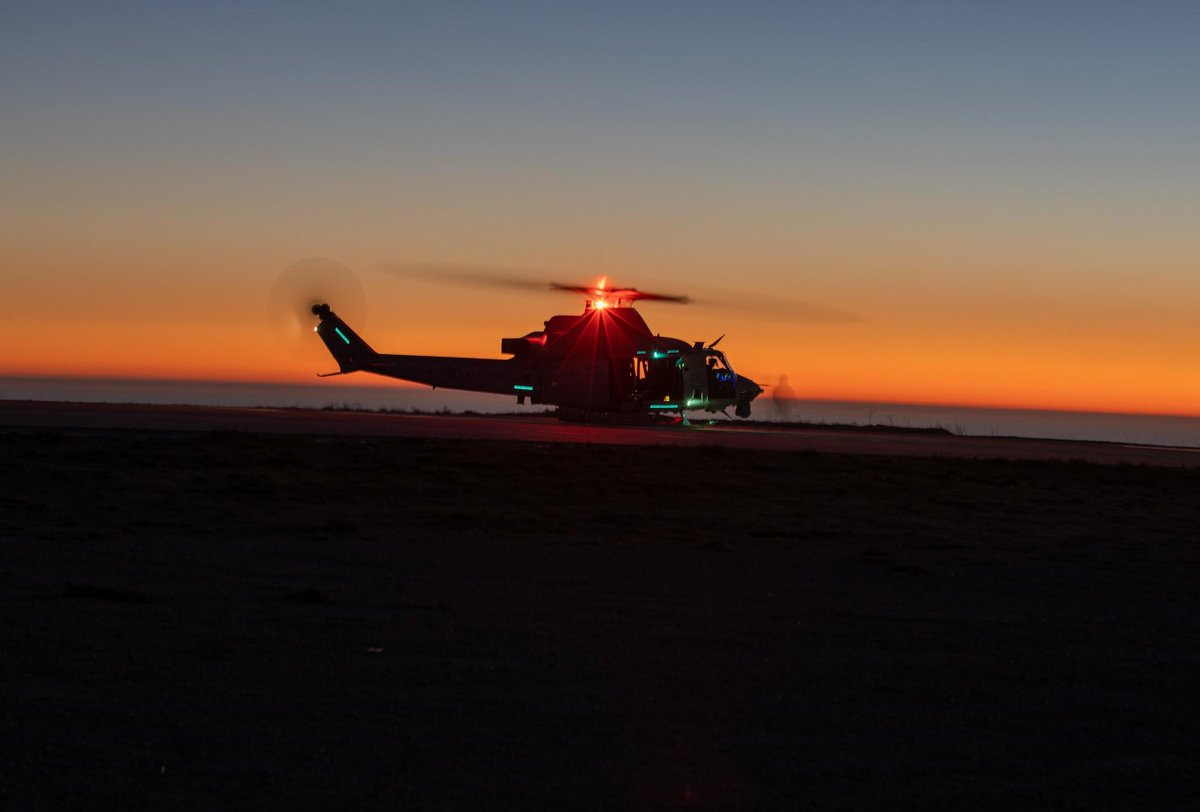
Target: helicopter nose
x: 747, y: 389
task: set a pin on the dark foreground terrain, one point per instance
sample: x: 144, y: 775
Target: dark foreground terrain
x: 225, y: 620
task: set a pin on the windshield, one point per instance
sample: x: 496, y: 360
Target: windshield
x: 717, y: 361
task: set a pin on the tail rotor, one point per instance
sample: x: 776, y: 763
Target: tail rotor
x: 303, y: 285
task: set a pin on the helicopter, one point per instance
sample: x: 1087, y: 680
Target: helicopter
x: 602, y: 364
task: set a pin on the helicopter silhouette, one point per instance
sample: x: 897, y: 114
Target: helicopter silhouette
x: 602, y: 364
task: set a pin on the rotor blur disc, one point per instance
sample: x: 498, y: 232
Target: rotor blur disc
x: 308, y: 282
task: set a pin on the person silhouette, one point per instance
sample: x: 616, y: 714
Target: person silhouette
x: 783, y: 396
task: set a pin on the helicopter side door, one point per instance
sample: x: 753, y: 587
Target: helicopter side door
x: 669, y: 379
x: 693, y: 380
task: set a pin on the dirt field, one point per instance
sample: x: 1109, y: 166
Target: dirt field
x: 225, y: 620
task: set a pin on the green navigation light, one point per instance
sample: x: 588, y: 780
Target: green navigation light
x: 522, y: 387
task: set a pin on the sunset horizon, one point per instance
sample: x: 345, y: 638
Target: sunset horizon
x: 1002, y: 198
x: 527, y: 404
x: 367, y: 381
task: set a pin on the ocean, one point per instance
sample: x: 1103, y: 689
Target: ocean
x: 1165, y: 430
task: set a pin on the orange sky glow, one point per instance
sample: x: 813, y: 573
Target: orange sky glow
x: 979, y: 354
x: 1008, y: 210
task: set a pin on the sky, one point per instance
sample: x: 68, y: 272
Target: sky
x: 1005, y: 194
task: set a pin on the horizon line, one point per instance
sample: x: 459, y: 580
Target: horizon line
x: 401, y: 384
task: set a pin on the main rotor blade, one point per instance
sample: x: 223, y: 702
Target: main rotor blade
x: 514, y: 278
x: 620, y: 294
x: 774, y: 308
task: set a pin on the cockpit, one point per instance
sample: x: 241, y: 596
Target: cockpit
x: 678, y: 378
x: 722, y: 381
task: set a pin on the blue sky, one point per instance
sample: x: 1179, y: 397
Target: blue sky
x: 904, y: 160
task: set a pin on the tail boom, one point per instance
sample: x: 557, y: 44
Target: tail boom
x: 353, y: 354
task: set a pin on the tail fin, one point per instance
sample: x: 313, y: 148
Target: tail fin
x: 350, y: 351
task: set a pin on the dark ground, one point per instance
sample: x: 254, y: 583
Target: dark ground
x: 230, y: 620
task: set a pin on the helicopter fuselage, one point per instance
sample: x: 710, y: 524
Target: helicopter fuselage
x: 603, y: 361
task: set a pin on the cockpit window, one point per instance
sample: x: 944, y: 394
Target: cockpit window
x: 718, y: 366
x: 717, y: 359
